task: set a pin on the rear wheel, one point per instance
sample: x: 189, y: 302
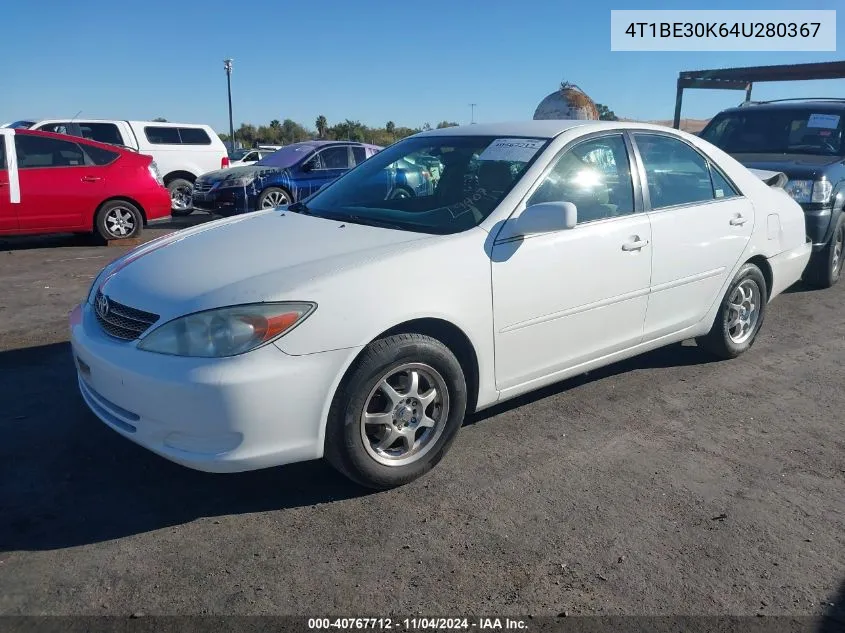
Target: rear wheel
x: 396, y: 414
x: 740, y: 315
x: 826, y: 266
x: 118, y: 220
x: 181, y: 197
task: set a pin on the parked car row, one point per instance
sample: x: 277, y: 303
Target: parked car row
x: 57, y: 183
x: 182, y: 151
x: 362, y: 327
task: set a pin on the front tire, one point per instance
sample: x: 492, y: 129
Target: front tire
x: 740, y: 315
x: 825, y: 267
x: 273, y: 197
x: 397, y: 412
x: 181, y: 193
x: 118, y: 220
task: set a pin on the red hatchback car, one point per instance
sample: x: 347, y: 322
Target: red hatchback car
x: 53, y: 183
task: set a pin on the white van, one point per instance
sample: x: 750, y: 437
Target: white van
x: 182, y: 151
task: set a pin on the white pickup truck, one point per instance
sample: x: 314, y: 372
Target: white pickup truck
x: 182, y: 151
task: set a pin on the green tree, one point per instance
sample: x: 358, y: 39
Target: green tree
x: 275, y: 124
x: 605, y: 113
x: 159, y: 119
x: 247, y: 134
x: 443, y: 124
x: 390, y: 128
x: 322, y: 126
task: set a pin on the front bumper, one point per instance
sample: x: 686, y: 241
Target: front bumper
x: 818, y: 224
x: 259, y: 409
x: 788, y: 267
x: 225, y: 202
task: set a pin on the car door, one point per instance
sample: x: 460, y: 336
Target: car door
x: 59, y: 190
x: 8, y: 188
x: 563, y: 298
x: 700, y: 225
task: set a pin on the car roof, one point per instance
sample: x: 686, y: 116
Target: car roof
x: 792, y: 104
x: 539, y: 129
x: 75, y: 139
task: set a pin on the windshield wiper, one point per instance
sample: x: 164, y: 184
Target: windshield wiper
x: 357, y: 219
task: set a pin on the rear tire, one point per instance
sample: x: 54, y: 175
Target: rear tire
x: 118, y: 220
x: 825, y: 267
x: 380, y: 399
x: 740, y: 315
x: 181, y: 191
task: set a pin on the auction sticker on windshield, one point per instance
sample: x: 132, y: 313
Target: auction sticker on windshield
x: 828, y: 121
x: 512, y: 149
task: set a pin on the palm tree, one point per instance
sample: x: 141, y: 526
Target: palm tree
x: 390, y: 128
x: 322, y: 126
x: 275, y: 124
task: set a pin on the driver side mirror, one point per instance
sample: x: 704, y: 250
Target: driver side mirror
x: 547, y: 217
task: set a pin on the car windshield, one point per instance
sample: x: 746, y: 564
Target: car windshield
x: 428, y: 184
x: 238, y: 154
x: 288, y: 156
x: 777, y: 131
x: 18, y: 125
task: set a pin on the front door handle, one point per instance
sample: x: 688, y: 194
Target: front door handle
x: 636, y: 245
x: 91, y: 179
x: 738, y: 221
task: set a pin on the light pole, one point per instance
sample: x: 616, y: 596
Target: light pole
x: 472, y: 119
x: 227, y: 64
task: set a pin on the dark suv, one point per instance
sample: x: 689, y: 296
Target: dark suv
x: 804, y: 139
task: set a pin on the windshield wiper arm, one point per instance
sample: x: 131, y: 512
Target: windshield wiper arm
x: 357, y: 219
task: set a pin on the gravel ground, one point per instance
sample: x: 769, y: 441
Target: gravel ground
x: 667, y: 484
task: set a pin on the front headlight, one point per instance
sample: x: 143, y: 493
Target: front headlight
x: 804, y: 191
x: 800, y: 190
x: 226, y: 331
x: 243, y: 181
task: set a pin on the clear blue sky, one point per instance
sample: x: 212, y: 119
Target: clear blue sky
x: 410, y: 62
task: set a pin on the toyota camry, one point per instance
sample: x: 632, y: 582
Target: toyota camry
x: 363, y: 329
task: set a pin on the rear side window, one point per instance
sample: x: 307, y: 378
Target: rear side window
x: 102, y: 132
x: 34, y: 152
x: 721, y: 187
x: 359, y: 154
x: 193, y: 136
x: 676, y: 174
x: 2, y: 152
x: 176, y: 135
x: 100, y: 156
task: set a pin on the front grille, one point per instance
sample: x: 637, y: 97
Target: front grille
x: 121, y: 321
x: 202, y: 187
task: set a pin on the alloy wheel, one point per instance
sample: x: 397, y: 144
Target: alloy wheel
x: 404, y: 414
x: 743, y: 311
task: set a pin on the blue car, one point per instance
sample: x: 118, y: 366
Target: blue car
x: 286, y: 176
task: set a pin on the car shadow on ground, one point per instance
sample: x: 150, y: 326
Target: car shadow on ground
x: 834, y: 616
x: 68, y: 480
x: 82, y: 240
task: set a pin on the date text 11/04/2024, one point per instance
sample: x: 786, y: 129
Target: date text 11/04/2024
x: 415, y: 624
x: 724, y: 30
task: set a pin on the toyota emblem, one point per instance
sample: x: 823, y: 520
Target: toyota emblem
x: 103, y: 305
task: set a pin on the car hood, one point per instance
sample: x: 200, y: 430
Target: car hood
x: 238, y: 171
x: 261, y: 256
x: 796, y: 166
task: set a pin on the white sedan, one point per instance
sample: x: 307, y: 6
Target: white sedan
x: 362, y: 328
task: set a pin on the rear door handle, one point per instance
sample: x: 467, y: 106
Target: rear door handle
x: 635, y: 245
x: 91, y: 179
x: 738, y: 221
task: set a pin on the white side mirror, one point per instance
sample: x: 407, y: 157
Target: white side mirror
x: 546, y: 217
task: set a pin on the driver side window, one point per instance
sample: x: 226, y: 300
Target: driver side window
x: 595, y: 176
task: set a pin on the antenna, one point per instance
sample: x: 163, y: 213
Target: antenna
x: 472, y: 105
x: 75, y: 115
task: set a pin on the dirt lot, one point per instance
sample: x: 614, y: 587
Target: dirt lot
x: 666, y: 484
